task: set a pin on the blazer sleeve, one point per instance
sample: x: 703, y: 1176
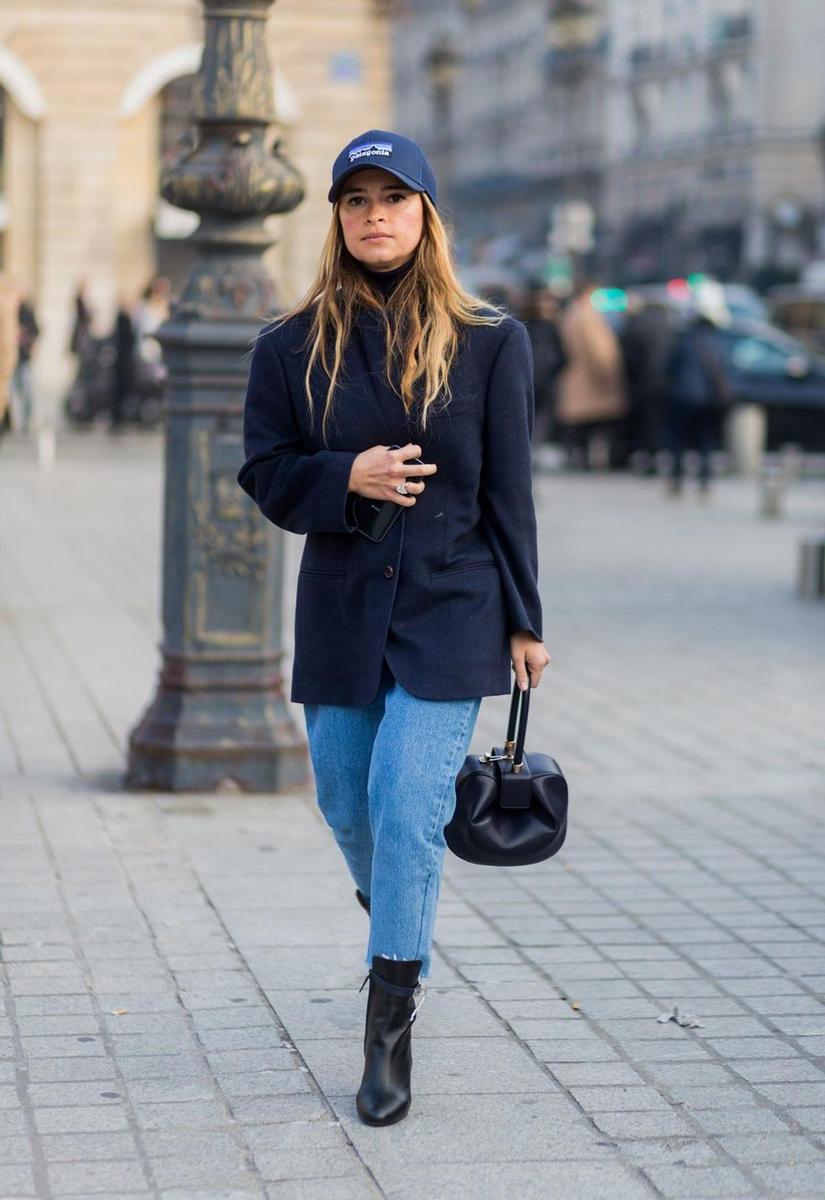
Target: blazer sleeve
x: 298, y: 490
x: 508, y: 512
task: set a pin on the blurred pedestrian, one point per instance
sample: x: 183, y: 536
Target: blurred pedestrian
x: 392, y: 657
x: 9, y: 306
x: 541, y: 320
x: 647, y: 343
x: 82, y: 322
x: 123, y: 367
x: 22, y: 395
x: 591, y: 401
x: 697, y: 395
x: 150, y: 312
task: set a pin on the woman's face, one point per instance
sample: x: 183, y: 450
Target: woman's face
x: 381, y: 219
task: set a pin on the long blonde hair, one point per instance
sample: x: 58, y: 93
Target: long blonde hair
x: 423, y: 316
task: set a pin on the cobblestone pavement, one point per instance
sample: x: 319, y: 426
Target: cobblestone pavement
x: 181, y: 1015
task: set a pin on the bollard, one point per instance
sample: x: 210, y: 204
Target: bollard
x: 771, y: 490
x: 46, y: 447
x: 812, y: 569
x: 746, y: 436
x: 776, y: 477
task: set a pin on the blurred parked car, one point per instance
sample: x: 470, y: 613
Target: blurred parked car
x: 800, y: 311
x: 682, y: 296
x: 763, y: 365
x: 743, y: 301
x: 767, y: 367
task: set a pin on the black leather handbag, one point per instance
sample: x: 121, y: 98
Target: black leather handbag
x: 511, y: 807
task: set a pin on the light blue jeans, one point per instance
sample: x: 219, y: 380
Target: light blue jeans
x: 385, y: 777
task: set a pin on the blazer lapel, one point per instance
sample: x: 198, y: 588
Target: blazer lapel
x: 368, y: 338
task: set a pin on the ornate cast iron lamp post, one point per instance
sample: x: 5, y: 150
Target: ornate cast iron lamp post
x: 219, y: 712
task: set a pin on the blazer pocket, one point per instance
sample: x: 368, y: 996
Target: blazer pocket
x: 479, y: 565
x: 460, y: 406
x: 322, y: 572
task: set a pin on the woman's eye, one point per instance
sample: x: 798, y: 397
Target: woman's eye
x: 358, y: 201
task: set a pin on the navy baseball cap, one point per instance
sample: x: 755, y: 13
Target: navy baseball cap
x: 401, y: 156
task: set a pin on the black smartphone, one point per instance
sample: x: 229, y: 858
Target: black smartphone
x: 375, y: 518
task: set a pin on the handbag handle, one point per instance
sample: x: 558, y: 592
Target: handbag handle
x: 519, y: 707
x: 516, y: 731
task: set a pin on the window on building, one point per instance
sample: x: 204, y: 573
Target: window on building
x: 721, y: 93
x: 726, y: 28
x: 647, y: 105
x: 2, y: 125
x: 3, y: 204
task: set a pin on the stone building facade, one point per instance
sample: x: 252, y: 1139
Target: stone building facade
x: 714, y: 136
x: 94, y: 91
x: 508, y: 95
x: 691, y: 129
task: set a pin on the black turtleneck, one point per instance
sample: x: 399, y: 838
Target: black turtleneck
x: 385, y: 281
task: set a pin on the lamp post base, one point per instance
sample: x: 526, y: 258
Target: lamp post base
x: 201, y: 741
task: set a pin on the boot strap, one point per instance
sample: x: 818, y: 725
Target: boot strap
x: 395, y: 989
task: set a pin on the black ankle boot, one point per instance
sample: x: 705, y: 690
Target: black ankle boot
x: 384, y: 1096
x: 362, y: 900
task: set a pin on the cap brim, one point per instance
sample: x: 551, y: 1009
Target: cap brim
x: 334, y: 191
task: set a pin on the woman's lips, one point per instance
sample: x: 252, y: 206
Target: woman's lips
x: 375, y: 237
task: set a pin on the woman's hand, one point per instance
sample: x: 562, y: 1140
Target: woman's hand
x: 529, y: 657
x: 377, y: 472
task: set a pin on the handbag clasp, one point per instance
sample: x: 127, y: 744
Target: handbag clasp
x: 490, y: 758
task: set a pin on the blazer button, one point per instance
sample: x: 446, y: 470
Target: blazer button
x: 389, y: 572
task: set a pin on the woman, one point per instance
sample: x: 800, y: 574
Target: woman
x: 591, y: 400
x: 698, y: 394
x: 396, y: 641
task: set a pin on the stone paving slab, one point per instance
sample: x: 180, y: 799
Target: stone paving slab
x: 180, y: 1017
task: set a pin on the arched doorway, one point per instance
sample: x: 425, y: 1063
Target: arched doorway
x: 155, y: 114
x: 156, y: 126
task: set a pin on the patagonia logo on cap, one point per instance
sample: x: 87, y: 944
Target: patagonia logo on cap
x: 392, y: 152
x: 371, y: 150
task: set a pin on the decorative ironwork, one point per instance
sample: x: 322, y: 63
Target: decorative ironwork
x: 230, y: 551
x: 234, y: 176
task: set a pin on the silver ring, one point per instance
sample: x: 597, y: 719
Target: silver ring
x: 401, y: 488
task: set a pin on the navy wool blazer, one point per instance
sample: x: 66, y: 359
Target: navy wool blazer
x: 457, y: 572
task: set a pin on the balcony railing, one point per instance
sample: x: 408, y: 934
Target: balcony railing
x: 727, y: 35
x: 666, y: 148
